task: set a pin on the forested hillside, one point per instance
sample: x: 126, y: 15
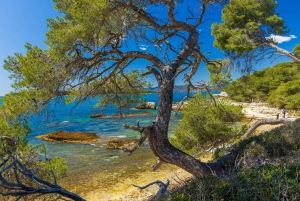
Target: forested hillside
x: 278, y: 85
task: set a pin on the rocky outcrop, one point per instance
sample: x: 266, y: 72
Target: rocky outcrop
x: 123, y: 115
x: 69, y: 137
x: 146, y: 105
x: 121, y: 144
x: 96, y: 115
x: 132, y: 115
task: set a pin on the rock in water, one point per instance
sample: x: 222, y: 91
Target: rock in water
x: 69, y: 137
x: 96, y: 115
x: 146, y: 105
x: 121, y: 144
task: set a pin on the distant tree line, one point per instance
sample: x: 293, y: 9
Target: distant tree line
x: 278, y: 85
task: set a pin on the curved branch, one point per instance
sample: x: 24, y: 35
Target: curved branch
x: 145, y: 132
x: 155, y: 72
x: 264, y: 122
x: 200, y: 19
x: 143, y: 55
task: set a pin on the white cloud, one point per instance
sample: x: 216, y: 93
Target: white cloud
x: 281, y: 39
x: 144, y: 47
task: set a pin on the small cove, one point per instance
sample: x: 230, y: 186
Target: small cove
x: 94, y: 168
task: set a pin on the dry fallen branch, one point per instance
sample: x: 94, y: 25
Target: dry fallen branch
x: 162, y: 192
x: 18, y: 181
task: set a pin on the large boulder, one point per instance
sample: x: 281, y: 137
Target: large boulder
x: 69, y: 137
x: 146, y: 105
x: 121, y: 144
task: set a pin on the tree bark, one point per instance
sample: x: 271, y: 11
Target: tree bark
x: 158, y: 139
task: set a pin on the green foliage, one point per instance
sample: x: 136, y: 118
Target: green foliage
x: 220, y: 73
x: 205, y: 125
x: 56, y: 164
x: 277, y: 85
x: 86, y: 24
x: 245, y: 24
x: 286, y: 95
x: 297, y: 50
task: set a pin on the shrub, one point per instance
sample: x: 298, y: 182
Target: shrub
x: 205, y: 125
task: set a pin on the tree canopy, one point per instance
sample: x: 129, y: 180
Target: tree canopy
x: 246, y: 31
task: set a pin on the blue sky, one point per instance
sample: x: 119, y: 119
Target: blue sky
x: 25, y: 21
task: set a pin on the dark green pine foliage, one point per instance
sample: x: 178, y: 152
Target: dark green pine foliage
x: 278, y: 85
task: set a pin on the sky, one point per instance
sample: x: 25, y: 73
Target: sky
x: 25, y: 21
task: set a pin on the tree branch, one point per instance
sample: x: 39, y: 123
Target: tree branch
x: 24, y: 182
x: 145, y: 132
x: 264, y: 122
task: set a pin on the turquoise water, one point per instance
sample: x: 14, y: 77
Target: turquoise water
x: 67, y: 118
x: 94, y: 168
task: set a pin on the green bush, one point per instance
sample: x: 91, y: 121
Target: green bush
x: 205, y: 125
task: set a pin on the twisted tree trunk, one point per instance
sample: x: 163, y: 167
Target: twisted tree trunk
x: 158, y: 138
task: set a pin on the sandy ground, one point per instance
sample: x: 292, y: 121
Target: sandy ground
x: 175, y: 175
x: 259, y: 111
x: 123, y: 189
x: 262, y: 111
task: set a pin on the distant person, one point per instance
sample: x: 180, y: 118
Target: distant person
x: 277, y: 116
x: 283, y: 113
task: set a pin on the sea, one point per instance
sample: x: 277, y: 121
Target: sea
x: 92, y: 168
x: 62, y: 117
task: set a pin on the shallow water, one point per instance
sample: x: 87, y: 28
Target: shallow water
x: 94, y: 168
x: 66, y: 118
